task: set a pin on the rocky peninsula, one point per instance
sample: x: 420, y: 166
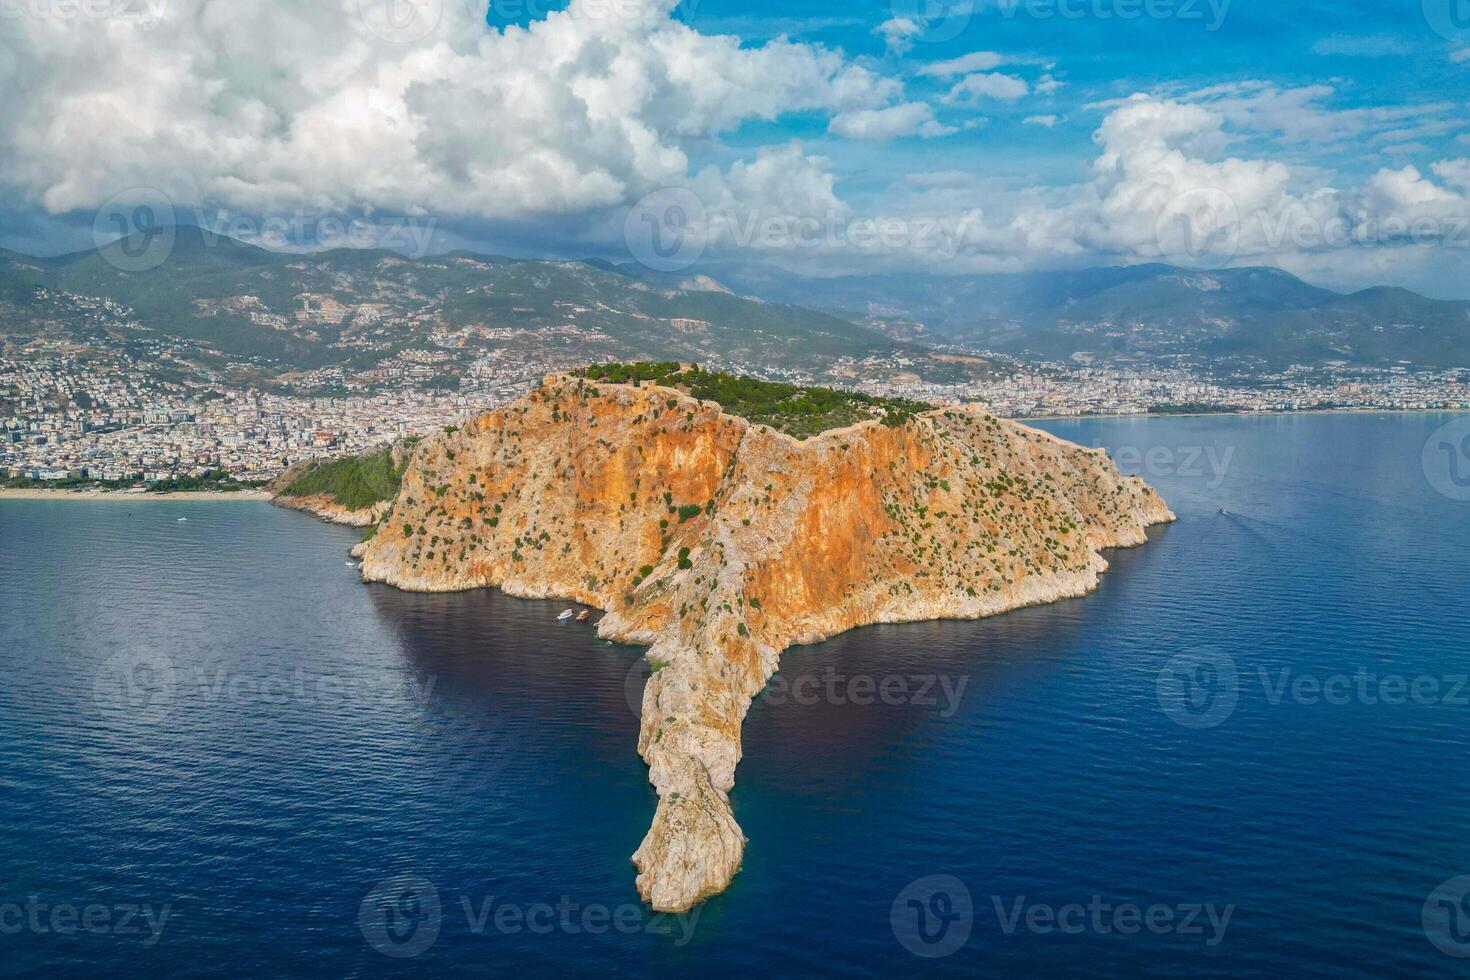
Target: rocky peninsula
x: 718, y: 540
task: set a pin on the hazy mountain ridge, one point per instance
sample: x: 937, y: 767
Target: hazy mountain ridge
x: 237, y: 312
x: 1247, y: 317
x: 257, y: 314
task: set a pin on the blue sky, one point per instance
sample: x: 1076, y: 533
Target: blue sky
x: 1372, y: 54
x: 1040, y: 133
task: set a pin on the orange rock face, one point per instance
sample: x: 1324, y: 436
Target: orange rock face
x: 719, y: 543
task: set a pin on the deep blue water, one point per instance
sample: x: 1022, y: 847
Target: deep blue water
x: 288, y: 739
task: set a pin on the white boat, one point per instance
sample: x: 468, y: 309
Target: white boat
x: 566, y: 614
x: 182, y: 519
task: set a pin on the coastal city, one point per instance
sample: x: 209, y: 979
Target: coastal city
x: 75, y: 418
x: 1058, y: 391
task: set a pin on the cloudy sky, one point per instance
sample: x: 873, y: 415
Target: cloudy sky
x: 1328, y: 139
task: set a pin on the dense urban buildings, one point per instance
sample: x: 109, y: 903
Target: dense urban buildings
x: 75, y: 414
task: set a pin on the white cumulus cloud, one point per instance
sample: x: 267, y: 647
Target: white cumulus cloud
x: 964, y: 64
x: 908, y: 119
x: 898, y: 33
x: 272, y: 104
x: 993, y: 85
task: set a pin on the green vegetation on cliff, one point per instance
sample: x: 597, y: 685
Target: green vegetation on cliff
x: 354, y: 482
x: 796, y: 411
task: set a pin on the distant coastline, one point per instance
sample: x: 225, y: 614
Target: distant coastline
x: 1242, y: 413
x: 91, y: 493
x: 40, y: 493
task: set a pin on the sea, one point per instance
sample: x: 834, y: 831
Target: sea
x: 1246, y: 754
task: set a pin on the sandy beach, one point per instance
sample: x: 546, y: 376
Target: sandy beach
x: 43, y: 494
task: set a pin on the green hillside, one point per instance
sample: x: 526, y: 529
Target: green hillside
x: 796, y: 411
x: 354, y: 482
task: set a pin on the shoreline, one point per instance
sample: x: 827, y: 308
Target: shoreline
x: 1023, y: 419
x: 41, y: 493
x: 45, y: 493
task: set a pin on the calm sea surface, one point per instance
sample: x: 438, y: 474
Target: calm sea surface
x: 221, y: 754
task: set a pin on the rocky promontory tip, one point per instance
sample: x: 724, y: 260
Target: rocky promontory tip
x: 720, y: 539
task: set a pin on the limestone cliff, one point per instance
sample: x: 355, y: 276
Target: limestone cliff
x: 719, y: 543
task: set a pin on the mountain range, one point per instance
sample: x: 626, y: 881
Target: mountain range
x: 1247, y: 318
x: 235, y: 312
x: 248, y: 314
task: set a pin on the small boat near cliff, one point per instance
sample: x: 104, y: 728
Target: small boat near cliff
x: 582, y: 616
x: 565, y: 614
